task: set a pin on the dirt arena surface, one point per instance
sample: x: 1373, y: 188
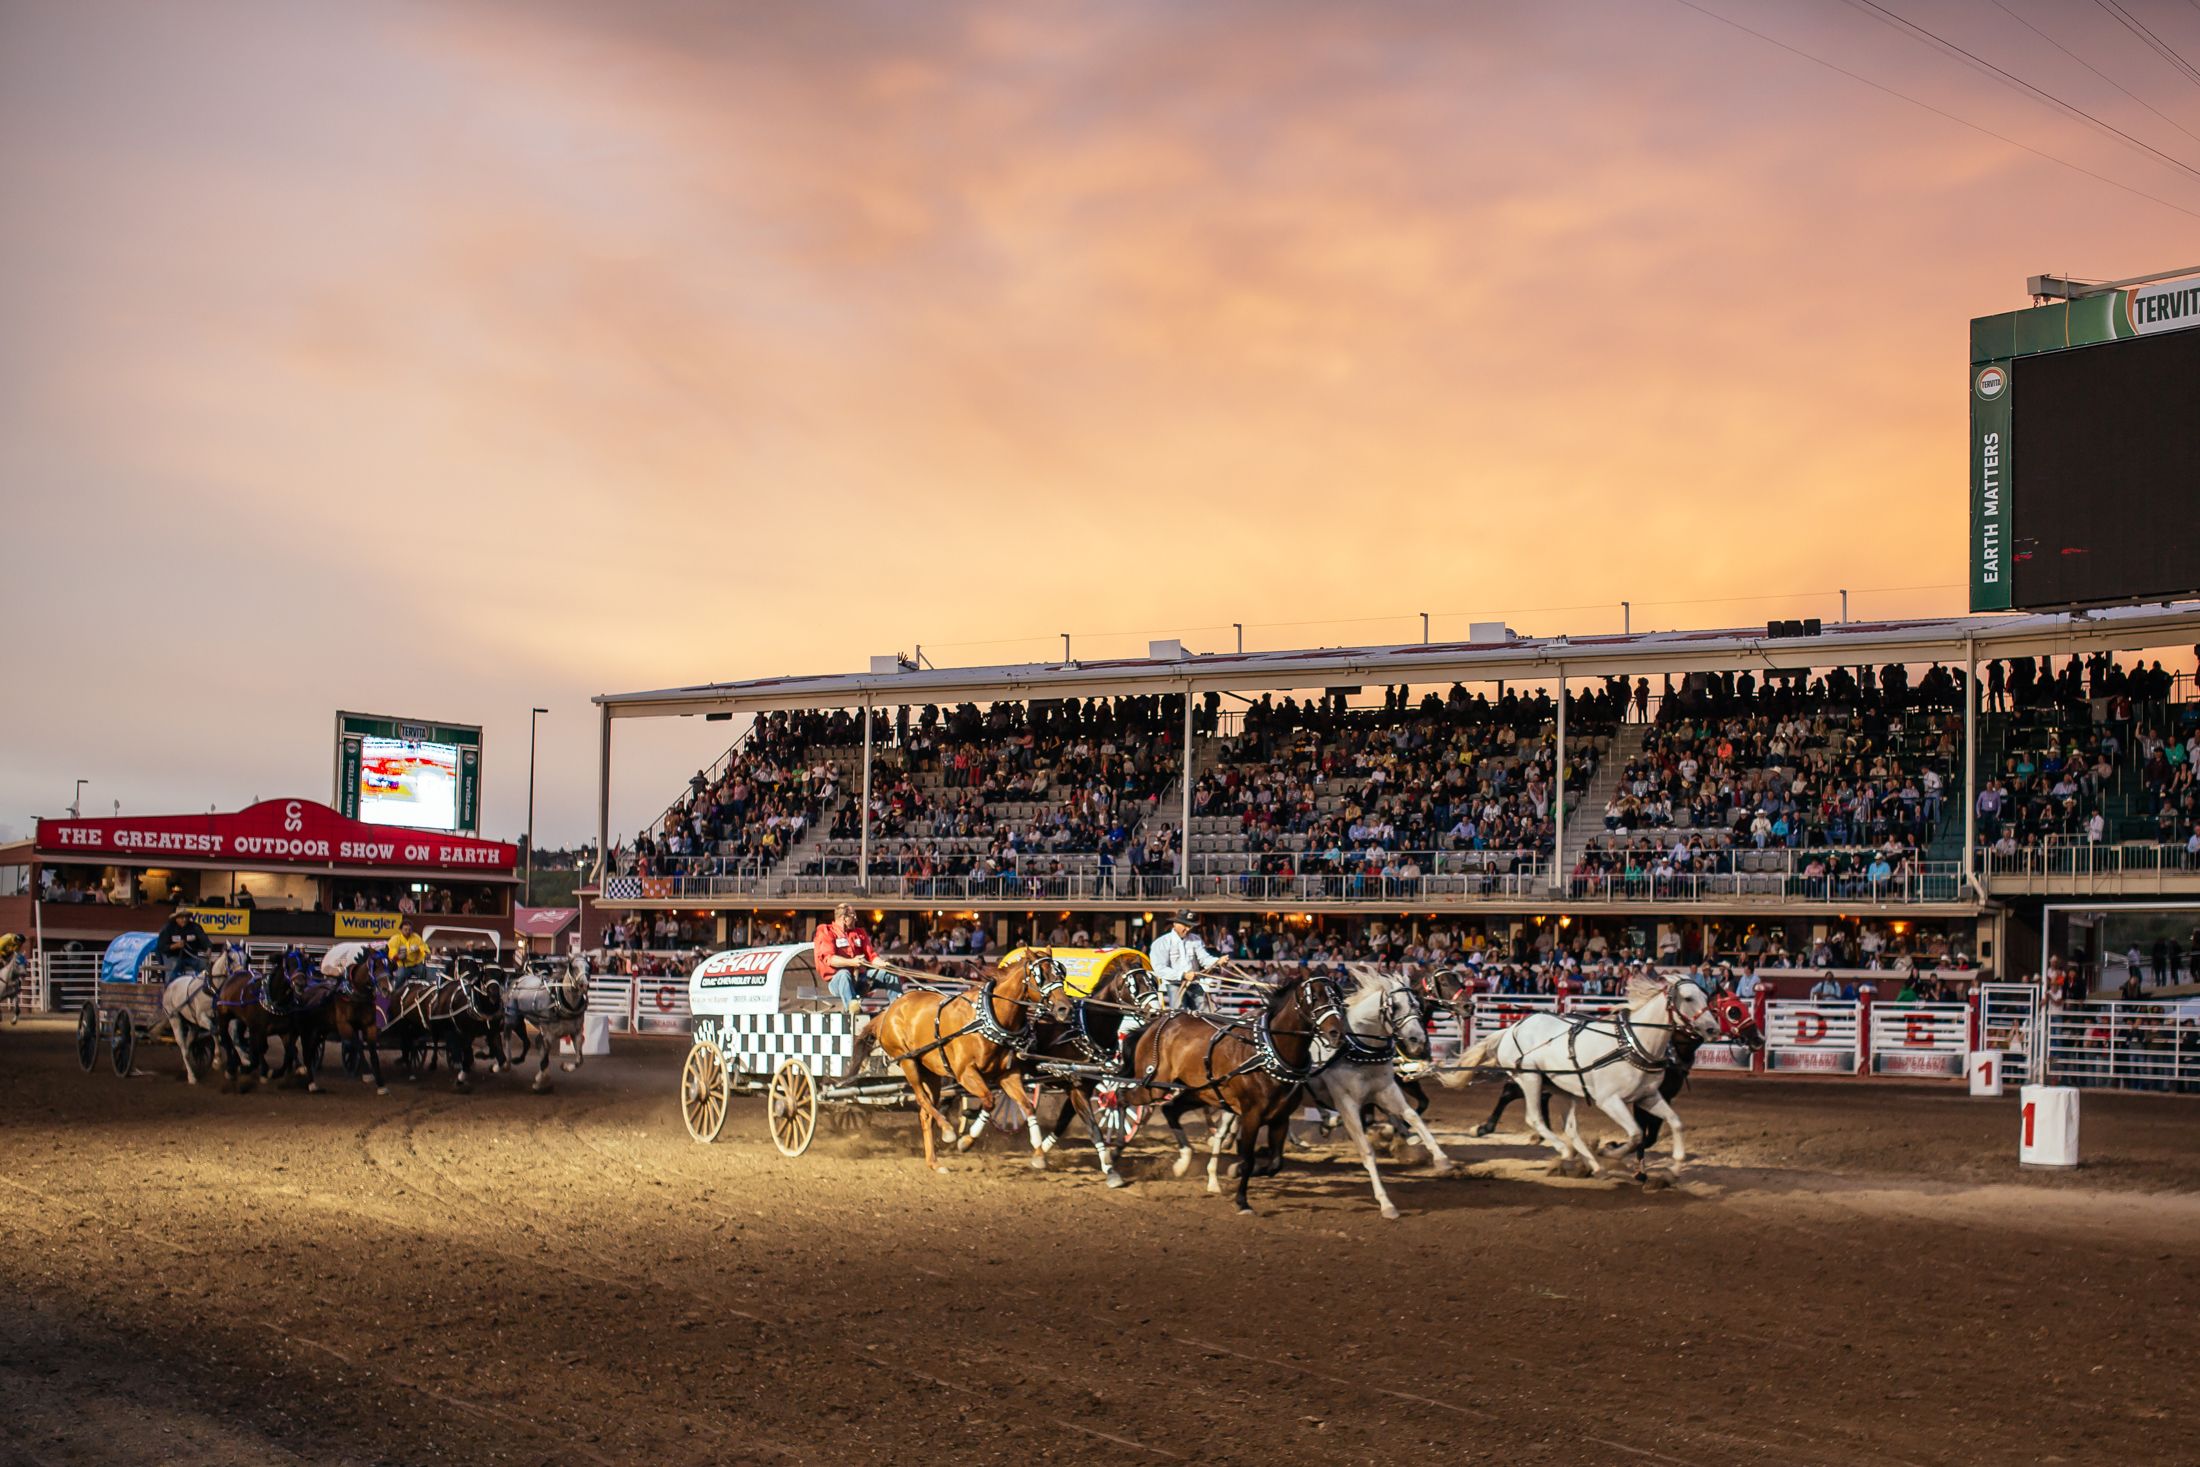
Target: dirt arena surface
x: 1855, y: 1273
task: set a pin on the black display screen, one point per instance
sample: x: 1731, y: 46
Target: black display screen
x: 2105, y: 472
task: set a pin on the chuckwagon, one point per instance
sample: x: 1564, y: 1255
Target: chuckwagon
x: 764, y: 1020
x: 126, y: 1006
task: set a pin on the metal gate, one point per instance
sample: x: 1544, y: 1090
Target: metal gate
x: 2009, y: 1021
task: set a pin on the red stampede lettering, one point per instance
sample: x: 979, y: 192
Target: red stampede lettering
x: 1917, y: 1031
x: 1810, y: 1028
x: 664, y: 997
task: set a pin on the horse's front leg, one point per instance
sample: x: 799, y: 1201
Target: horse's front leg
x: 370, y: 1042
x: 542, y: 1065
x: 1349, y: 1113
x: 306, y: 1042
x: 1411, y: 1115
x: 976, y: 1093
x: 1013, y: 1083
x: 460, y: 1047
x: 1662, y: 1108
x: 175, y: 1028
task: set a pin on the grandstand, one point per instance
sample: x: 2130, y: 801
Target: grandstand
x: 1929, y: 780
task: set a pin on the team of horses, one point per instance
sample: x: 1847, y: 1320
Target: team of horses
x: 229, y: 1015
x: 1336, y: 1042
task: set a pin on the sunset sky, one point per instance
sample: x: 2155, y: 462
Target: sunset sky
x: 445, y: 359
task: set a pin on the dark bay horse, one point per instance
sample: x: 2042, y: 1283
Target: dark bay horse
x: 355, y: 1017
x: 290, y: 1001
x: 1253, y: 1068
x: 974, y: 1038
x: 450, y: 1012
x: 1090, y: 1036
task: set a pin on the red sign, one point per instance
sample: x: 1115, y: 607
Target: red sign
x: 275, y: 833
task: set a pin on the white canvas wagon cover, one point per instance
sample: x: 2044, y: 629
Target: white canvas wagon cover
x: 758, y: 980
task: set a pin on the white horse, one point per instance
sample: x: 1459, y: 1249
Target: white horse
x: 1614, y: 1062
x: 557, y: 1005
x: 1383, y: 1016
x: 187, y: 1003
x: 11, y: 987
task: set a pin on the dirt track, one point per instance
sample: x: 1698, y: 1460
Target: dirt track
x: 1856, y: 1273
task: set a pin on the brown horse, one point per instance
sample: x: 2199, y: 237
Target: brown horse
x: 1253, y: 1068
x: 355, y: 1015
x: 1092, y: 1036
x: 289, y: 1001
x: 974, y: 1038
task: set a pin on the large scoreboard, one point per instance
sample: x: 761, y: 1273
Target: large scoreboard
x: 2085, y: 450
x: 409, y: 772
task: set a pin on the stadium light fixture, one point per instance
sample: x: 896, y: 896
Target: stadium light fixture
x: 76, y: 801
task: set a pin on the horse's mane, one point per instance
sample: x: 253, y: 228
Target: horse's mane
x: 1641, y: 990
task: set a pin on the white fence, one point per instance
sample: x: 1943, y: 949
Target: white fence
x: 1919, y: 1038
x: 2124, y: 1046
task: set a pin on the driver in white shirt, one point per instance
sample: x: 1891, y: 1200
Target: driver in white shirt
x: 1175, y: 954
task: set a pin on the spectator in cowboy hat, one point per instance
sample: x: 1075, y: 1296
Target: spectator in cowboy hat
x: 1175, y: 954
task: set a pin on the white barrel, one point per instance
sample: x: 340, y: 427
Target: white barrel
x: 1984, y: 1068
x: 596, y: 1034
x: 2047, y: 1132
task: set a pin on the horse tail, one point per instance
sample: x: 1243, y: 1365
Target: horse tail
x: 1459, y: 1072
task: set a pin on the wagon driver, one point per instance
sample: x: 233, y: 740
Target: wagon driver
x: 1175, y: 954
x: 844, y: 956
x: 182, y: 942
x: 408, y: 952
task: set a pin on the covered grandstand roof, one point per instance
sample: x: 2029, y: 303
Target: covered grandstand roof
x: 1594, y: 655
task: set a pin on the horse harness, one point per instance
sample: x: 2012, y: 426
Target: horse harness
x: 1631, y: 1049
x: 983, y: 1024
x: 1265, y: 1058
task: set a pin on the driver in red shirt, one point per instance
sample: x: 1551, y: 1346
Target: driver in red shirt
x: 844, y: 954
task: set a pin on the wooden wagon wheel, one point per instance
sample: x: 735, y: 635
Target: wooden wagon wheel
x: 703, y: 1093
x: 124, y: 1042
x: 1116, y: 1121
x: 87, y: 1035
x: 791, y: 1107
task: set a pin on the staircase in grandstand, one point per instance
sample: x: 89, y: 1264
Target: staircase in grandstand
x: 1585, y: 811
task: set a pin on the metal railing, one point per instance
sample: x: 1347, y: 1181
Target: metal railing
x: 2073, y: 856
x: 2124, y: 1046
x: 1920, y: 881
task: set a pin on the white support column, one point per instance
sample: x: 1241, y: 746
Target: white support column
x: 1184, y: 831
x: 1970, y: 761
x: 1558, y: 833
x: 863, y: 844
x: 603, y: 802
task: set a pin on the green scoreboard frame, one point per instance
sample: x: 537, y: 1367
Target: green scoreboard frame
x: 353, y: 729
x: 1998, y: 343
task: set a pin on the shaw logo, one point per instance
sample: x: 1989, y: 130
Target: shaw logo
x: 1991, y: 383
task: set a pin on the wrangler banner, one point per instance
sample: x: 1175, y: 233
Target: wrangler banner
x: 373, y: 925
x: 224, y: 921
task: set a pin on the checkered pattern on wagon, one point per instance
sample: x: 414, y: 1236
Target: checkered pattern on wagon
x: 757, y: 1044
